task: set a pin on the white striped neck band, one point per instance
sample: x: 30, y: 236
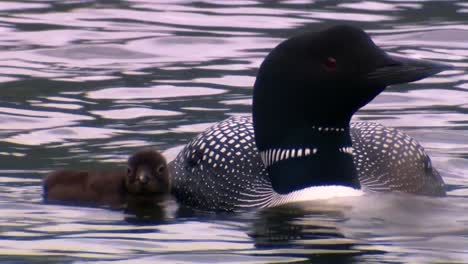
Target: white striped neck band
x: 272, y: 156
x: 328, y: 129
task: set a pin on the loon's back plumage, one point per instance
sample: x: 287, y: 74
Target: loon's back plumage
x: 390, y: 160
x: 221, y: 169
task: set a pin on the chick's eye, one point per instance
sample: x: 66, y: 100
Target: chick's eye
x: 161, y: 169
x: 330, y: 63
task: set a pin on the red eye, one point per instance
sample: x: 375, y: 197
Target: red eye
x: 330, y: 64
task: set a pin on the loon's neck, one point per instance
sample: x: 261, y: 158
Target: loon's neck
x: 311, y: 156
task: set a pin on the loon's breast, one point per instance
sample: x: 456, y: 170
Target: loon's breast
x: 221, y: 169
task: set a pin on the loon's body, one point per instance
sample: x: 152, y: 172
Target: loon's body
x: 221, y: 169
x: 300, y: 137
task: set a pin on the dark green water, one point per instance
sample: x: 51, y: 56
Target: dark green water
x: 85, y: 83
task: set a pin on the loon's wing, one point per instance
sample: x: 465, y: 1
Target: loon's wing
x: 388, y: 160
x: 221, y: 169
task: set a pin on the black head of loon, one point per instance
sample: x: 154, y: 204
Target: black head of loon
x: 307, y: 90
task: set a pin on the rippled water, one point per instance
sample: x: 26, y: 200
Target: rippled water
x: 85, y: 83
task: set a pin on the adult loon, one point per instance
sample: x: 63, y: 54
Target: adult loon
x: 300, y: 136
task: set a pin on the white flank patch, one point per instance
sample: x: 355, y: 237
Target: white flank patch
x: 315, y: 193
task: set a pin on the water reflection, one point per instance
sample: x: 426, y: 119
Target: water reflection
x: 163, y: 91
x: 294, y: 226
